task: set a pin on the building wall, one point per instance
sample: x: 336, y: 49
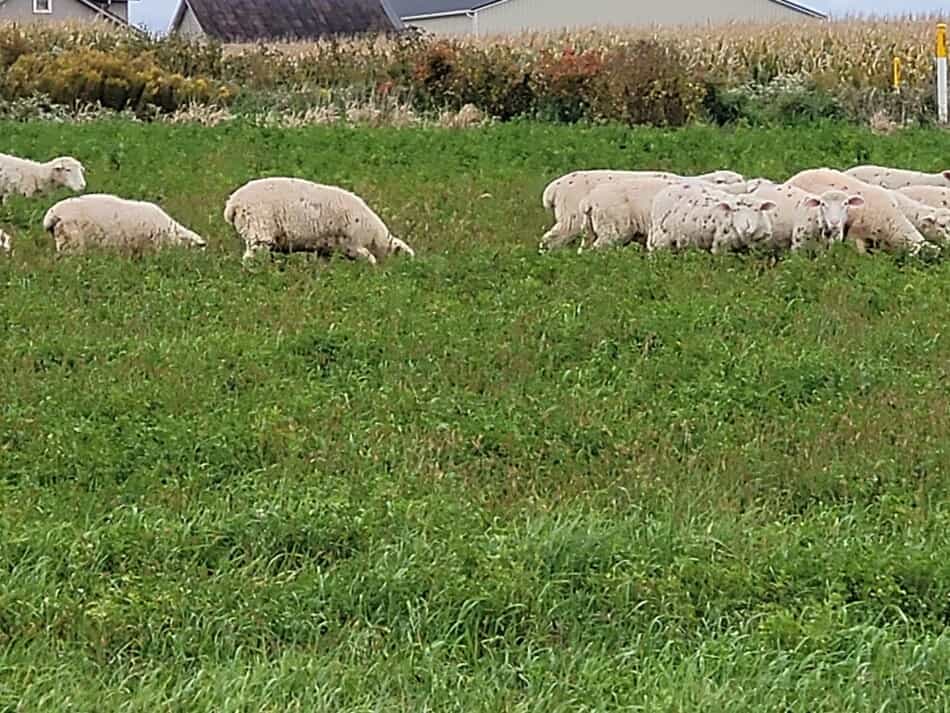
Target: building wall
x: 63, y: 11
x: 189, y: 26
x: 454, y: 25
x: 520, y: 15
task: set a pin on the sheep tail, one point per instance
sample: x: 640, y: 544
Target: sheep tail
x: 550, y: 196
x: 50, y: 220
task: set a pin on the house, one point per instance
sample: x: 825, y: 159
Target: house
x: 232, y: 21
x: 471, y: 17
x: 114, y: 11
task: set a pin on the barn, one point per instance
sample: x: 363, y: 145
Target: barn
x: 470, y: 17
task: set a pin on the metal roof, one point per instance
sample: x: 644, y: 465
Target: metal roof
x: 253, y: 20
x: 415, y: 9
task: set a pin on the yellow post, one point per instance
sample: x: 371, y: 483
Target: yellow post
x: 897, y: 74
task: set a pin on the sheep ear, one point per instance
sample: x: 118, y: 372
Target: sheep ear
x: 854, y: 202
x: 931, y: 219
x: 726, y: 207
x: 812, y: 202
x: 767, y: 205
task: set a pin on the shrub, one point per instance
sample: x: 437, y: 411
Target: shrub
x: 563, y: 82
x: 646, y: 82
x: 117, y: 80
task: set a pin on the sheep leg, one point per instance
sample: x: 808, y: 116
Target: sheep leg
x: 361, y: 253
x: 253, y: 250
x: 557, y: 237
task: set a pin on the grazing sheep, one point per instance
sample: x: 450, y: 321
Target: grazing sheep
x: 881, y: 222
x: 933, y: 223
x: 618, y: 213
x: 22, y: 177
x: 933, y: 196
x: 98, y: 220
x: 563, y: 197
x: 6, y: 243
x: 802, y: 218
x: 695, y: 215
x: 294, y: 215
x: 894, y: 178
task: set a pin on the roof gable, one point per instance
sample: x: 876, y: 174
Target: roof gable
x: 421, y: 8
x: 253, y: 20
x: 103, y: 12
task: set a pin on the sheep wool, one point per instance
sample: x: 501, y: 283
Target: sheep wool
x: 99, y: 220
x: 295, y: 215
x: 22, y: 177
x: 881, y: 223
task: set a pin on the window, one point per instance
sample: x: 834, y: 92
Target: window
x: 42, y: 7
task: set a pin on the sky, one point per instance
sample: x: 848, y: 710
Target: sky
x: 155, y: 14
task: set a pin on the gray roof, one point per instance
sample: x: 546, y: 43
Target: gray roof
x: 253, y: 20
x: 420, y: 8
x: 414, y: 8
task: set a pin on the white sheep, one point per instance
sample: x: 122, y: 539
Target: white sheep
x: 801, y: 218
x: 99, y: 220
x: 562, y: 197
x: 295, y: 215
x: 934, y: 196
x: 696, y: 215
x: 618, y: 213
x: 881, y: 222
x: 894, y: 178
x: 6, y: 243
x: 22, y: 177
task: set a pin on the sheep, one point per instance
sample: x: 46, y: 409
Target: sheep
x: 882, y: 222
x: 563, y: 195
x: 802, y: 218
x: 933, y: 196
x: 22, y: 177
x: 894, y: 178
x: 695, y: 215
x: 295, y: 215
x: 99, y: 220
x: 6, y: 243
x: 933, y: 223
x: 618, y: 213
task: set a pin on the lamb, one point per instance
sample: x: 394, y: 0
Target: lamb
x: 882, y: 222
x: 99, y: 220
x: 695, y: 215
x: 563, y: 196
x: 22, y: 177
x: 932, y: 196
x: 894, y: 178
x: 295, y: 215
x: 802, y: 218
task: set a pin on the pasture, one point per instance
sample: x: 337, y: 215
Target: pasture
x: 483, y: 480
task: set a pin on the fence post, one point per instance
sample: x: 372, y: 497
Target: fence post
x: 942, y: 108
x: 897, y: 74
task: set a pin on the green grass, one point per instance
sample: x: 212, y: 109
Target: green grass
x: 483, y: 480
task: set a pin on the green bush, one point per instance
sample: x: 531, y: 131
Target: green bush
x: 118, y: 80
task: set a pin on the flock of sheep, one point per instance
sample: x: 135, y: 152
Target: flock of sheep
x: 872, y: 206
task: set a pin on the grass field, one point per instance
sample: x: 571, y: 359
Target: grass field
x: 483, y: 480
